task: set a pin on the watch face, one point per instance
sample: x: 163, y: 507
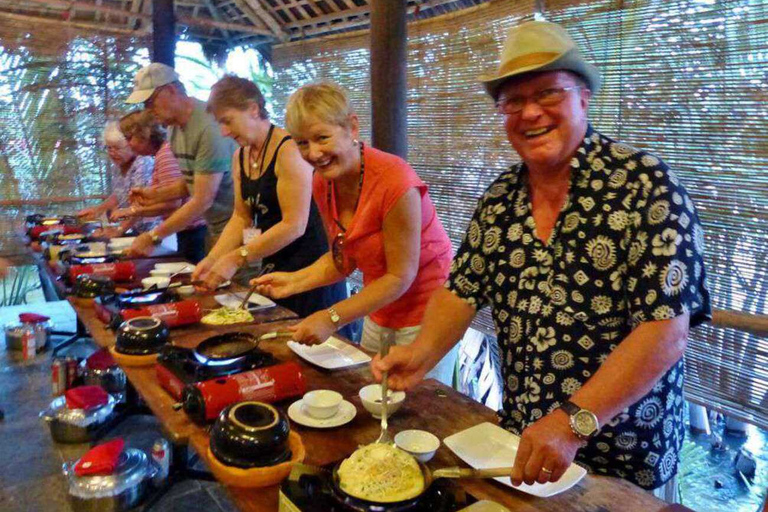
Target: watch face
x: 585, y: 423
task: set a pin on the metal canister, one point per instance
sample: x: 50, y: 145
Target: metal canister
x: 71, y: 363
x: 58, y: 376
x: 161, y: 453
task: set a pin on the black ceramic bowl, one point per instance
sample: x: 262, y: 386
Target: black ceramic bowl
x: 249, y: 435
x: 141, y: 336
x: 89, y: 286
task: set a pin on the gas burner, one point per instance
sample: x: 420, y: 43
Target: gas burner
x: 176, y: 367
x: 309, y: 489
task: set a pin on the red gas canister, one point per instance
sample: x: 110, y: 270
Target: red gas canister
x: 122, y: 271
x: 203, y: 401
x: 174, y: 314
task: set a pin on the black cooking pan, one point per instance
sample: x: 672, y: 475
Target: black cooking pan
x: 225, y: 347
x: 359, y: 504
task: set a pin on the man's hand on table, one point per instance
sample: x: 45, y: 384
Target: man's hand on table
x: 142, y: 246
x: 547, y: 445
x: 406, y: 365
x: 314, y: 329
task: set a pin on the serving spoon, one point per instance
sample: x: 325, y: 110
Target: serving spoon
x: 385, y: 437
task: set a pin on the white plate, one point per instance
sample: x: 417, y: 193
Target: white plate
x: 180, y: 266
x: 121, y: 242
x: 331, y: 355
x: 489, y: 446
x: 345, y: 414
x: 233, y: 300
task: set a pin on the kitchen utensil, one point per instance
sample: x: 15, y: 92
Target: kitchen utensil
x: 141, y: 336
x: 75, y: 425
x: 384, y: 436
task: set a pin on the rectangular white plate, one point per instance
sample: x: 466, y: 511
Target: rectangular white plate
x: 179, y: 266
x: 331, y: 355
x: 233, y: 300
x: 489, y: 446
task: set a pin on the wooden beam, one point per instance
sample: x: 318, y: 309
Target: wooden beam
x: 389, y: 80
x: 216, y: 16
x: 234, y: 27
x: 62, y: 23
x: 83, y: 6
x: 163, y: 32
x: 258, y: 10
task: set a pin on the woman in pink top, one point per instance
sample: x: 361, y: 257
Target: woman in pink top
x: 146, y: 137
x: 379, y: 219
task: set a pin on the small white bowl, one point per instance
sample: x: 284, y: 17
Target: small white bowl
x: 419, y: 443
x: 186, y: 290
x: 370, y: 396
x: 322, y: 403
x: 160, y: 282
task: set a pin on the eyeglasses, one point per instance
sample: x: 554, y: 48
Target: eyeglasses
x: 151, y: 100
x: 545, y: 98
x: 343, y: 263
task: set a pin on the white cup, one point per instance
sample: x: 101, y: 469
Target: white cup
x: 322, y: 403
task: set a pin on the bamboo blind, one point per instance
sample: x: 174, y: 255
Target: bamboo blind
x: 58, y: 87
x: 683, y: 79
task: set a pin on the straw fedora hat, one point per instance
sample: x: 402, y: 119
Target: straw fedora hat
x: 538, y: 46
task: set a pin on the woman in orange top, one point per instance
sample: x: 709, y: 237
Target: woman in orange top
x: 379, y: 219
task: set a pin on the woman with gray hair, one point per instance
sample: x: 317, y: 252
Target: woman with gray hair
x: 133, y: 171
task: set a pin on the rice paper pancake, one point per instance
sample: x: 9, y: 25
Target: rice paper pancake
x: 381, y: 473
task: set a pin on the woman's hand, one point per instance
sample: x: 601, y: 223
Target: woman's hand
x: 89, y: 213
x: 314, y: 329
x: 121, y: 214
x: 108, y: 232
x: 140, y: 195
x: 277, y: 285
x: 221, y: 270
x: 202, y: 268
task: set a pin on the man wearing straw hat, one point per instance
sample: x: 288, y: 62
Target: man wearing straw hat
x: 204, y: 156
x: 589, y: 253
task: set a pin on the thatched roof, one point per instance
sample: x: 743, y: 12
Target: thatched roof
x: 223, y: 22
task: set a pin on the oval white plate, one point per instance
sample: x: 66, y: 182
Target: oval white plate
x: 345, y: 414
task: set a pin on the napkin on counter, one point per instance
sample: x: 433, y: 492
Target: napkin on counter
x: 86, y: 397
x: 101, y: 459
x: 100, y: 360
x: 33, y: 318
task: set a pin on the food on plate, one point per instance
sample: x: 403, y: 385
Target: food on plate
x: 381, y: 473
x: 226, y: 316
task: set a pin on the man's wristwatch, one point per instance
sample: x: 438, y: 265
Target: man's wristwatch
x: 583, y: 422
x: 243, y: 252
x: 335, y: 318
x: 155, y: 238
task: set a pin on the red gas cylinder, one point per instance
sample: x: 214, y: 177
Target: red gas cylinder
x: 203, y: 401
x: 122, y: 271
x: 174, y: 314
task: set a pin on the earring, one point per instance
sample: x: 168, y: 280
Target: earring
x: 355, y: 142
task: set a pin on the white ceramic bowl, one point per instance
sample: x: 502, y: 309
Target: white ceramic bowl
x: 322, y: 403
x: 186, y: 290
x: 160, y: 282
x: 419, y: 443
x: 370, y: 395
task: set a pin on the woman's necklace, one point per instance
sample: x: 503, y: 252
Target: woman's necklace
x: 258, y: 163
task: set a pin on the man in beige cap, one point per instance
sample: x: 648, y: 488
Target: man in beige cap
x: 589, y: 254
x: 204, y: 156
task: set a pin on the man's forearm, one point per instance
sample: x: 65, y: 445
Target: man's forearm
x: 182, y: 217
x: 446, y: 319
x: 634, y: 367
x: 157, y: 209
x: 171, y: 192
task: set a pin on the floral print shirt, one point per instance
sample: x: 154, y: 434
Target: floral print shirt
x: 627, y: 248
x: 138, y: 175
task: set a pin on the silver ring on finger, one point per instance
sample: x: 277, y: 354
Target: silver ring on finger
x: 547, y: 473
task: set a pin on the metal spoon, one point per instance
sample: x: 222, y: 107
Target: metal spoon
x: 457, y: 472
x: 384, y: 436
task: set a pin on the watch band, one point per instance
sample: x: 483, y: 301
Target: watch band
x: 243, y: 251
x: 155, y: 237
x: 335, y: 318
x: 570, y: 408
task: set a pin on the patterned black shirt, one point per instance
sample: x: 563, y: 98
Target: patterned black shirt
x: 627, y: 248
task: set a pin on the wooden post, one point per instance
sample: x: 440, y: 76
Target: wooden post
x: 388, y: 76
x: 163, y: 32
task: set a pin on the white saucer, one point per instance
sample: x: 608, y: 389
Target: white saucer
x: 345, y: 414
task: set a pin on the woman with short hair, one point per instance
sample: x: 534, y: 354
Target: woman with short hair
x: 133, y: 171
x: 275, y: 219
x: 146, y: 136
x: 381, y: 221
